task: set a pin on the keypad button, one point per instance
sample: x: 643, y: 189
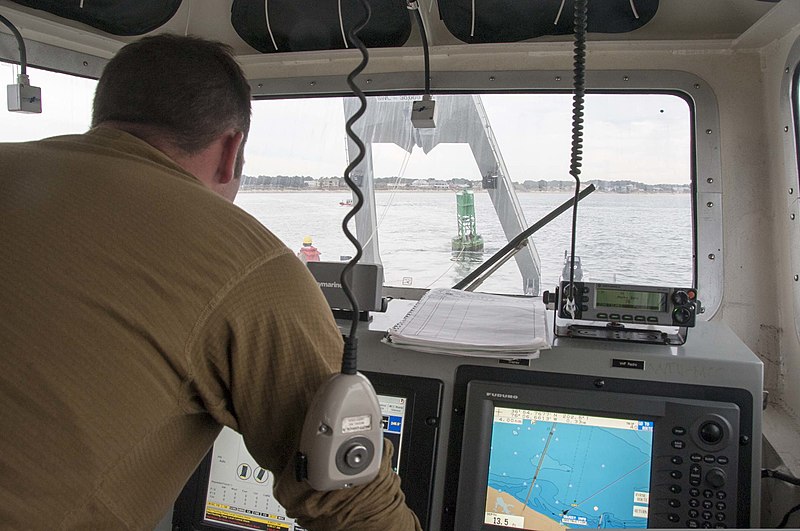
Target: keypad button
x: 708, y: 493
x: 696, y: 458
x: 693, y: 513
x: 721, y: 495
x: 676, y: 460
x: 721, y: 526
x: 708, y: 504
x: 720, y: 516
x: 709, y: 459
x: 678, y: 444
x: 694, y: 502
x: 721, y: 506
x: 676, y: 474
x: 694, y: 492
x: 674, y: 503
x: 672, y: 517
x: 675, y: 489
x: 707, y: 515
x: 679, y: 430
x: 722, y: 460
x: 692, y: 524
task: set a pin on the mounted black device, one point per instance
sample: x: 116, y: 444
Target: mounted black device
x: 624, y: 312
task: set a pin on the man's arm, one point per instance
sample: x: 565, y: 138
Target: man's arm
x: 265, y: 348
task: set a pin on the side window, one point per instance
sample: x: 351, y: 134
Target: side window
x: 439, y: 211
x: 66, y: 106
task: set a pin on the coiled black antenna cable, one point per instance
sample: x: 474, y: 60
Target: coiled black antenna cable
x: 413, y: 5
x: 23, y: 59
x: 576, y: 156
x: 349, y: 357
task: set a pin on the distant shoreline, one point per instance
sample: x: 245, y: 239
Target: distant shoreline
x: 346, y: 191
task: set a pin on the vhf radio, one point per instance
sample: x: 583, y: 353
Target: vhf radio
x: 624, y: 312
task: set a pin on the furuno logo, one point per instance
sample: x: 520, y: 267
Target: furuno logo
x: 329, y: 285
x: 502, y: 395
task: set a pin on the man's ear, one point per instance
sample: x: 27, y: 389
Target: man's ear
x: 226, y: 170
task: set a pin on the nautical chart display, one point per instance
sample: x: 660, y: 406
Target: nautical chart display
x: 550, y: 470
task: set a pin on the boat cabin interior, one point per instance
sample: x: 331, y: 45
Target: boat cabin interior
x: 665, y: 393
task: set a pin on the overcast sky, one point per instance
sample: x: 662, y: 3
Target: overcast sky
x: 633, y: 137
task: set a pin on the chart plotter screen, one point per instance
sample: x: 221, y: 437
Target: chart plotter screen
x: 550, y: 470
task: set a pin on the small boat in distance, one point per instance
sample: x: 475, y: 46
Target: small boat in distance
x: 346, y: 202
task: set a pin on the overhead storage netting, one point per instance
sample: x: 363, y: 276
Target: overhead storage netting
x: 117, y: 17
x: 487, y: 21
x: 272, y: 26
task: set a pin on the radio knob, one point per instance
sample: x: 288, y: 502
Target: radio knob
x: 681, y: 315
x: 680, y: 298
x: 715, y: 478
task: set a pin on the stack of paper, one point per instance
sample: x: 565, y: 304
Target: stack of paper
x: 464, y: 323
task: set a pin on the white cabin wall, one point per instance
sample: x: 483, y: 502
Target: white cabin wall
x: 784, y: 414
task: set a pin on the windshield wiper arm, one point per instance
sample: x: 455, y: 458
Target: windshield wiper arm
x: 469, y: 283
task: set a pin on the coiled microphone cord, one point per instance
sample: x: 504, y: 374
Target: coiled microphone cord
x: 349, y: 357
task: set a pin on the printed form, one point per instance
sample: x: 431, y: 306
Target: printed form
x: 456, y: 322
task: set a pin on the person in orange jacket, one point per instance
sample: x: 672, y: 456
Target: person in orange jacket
x: 308, y: 253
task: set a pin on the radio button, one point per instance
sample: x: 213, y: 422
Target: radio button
x: 639, y: 318
x: 652, y: 319
x: 602, y: 315
x: 627, y: 317
x: 614, y: 317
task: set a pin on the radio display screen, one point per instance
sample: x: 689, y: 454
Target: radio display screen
x: 551, y: 470
x: 635, y: 300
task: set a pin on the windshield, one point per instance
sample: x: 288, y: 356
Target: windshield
x: 441, y: 200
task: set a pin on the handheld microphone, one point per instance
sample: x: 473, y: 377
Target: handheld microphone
x: 342, y: 439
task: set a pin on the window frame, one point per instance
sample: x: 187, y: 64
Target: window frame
x: 706, y: 182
